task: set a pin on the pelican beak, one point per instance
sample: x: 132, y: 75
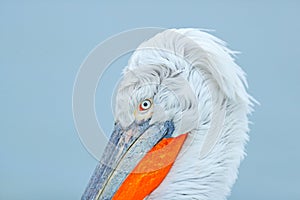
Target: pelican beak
x: 125, y: 149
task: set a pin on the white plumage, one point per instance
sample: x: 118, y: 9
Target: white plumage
x: 172, y: 59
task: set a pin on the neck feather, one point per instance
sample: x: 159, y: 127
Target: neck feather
x: 209, y: 174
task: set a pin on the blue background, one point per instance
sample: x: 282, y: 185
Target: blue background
x: 42, y: 45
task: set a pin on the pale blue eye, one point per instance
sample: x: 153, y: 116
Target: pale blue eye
x: 145, y: 105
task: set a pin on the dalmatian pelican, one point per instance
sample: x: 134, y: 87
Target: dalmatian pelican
x: 181, y: 122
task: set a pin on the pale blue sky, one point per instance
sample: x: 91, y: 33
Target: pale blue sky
x: 42, y: 45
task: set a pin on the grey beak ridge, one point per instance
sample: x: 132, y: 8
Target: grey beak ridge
x: 126, y: 147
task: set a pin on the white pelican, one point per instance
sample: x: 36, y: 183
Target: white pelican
x: 181, y: 122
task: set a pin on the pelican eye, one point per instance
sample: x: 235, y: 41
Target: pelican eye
x: 145, y: 105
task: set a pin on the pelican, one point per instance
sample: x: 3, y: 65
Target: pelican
x: 181, y: 122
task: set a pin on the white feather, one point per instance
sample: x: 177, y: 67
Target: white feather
x: 207, y: 66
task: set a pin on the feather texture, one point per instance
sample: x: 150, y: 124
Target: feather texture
x: 205, y: 81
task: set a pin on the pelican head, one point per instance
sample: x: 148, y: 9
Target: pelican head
x: 180, y: 122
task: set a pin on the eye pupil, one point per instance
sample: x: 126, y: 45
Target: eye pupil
x: 145, y: 105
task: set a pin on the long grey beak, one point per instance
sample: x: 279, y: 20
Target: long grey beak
x: 123, y: 152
